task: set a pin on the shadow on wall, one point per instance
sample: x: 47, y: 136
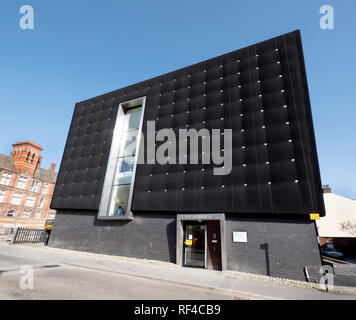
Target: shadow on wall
x: 264, y: 246
x: 171, y: 231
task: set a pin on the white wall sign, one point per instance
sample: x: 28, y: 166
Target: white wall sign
x: 239, y: 236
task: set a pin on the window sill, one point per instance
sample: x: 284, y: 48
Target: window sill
x: 127, y: 217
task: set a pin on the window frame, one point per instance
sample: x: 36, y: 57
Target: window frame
x: 113, y: 161
x: 45, y: 188
x: 35, y: 186
x: 31, y: 199
x: 22, y: 183
x: 2, y: 196
x: 41, y: 203
x: 18, y: 196
x: 6, y: 178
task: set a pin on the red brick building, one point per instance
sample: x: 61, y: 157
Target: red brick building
x: 25, y: 188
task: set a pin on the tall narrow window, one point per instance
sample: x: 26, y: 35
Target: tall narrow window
x: 2, y: 195
x: 45, y: 188
x: 119, y: 179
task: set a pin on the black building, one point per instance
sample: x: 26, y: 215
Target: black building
x: 252, y: 215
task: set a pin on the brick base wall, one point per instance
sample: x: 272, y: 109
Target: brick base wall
x: 275, y: 247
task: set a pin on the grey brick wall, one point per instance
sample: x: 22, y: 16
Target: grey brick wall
x: 278, y: 247
x: 147, y: 236
x: 275, y: 247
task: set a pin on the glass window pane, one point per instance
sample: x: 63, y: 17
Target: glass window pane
x: 124, y: 171
x: 126, y: 164
x: 128, y: 144
x: 133, y: 116
x: 119, y: 200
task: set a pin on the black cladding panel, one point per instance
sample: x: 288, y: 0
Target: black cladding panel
x: 260, y: 92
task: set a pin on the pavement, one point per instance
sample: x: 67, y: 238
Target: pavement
x: 66, y: 274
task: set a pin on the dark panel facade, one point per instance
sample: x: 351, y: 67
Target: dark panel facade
x: 275, y: 247
x: 260, y: 92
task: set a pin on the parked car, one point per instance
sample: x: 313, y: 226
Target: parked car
x: 329, y: 251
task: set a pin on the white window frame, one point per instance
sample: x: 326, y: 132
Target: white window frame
x: 5, y: 178
x: 113, y: 161
x: 35, y: 186
x: 26, y: 214
x: 41, y: 203
x: 21, y: 183
x: 2, y: 195
x: 38, y: 215
x: 18, y: 196
x: 45, y: 188
x: 30, y: 200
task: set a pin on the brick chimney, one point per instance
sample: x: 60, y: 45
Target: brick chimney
x: 326, y: 188
x: 25, y: 156
x: 53, y: 167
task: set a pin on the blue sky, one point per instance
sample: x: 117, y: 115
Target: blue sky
x: 80, y: 49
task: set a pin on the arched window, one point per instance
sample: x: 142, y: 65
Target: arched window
x: 28, y: 155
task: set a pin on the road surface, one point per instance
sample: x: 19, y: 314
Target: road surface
x: 60, y: 281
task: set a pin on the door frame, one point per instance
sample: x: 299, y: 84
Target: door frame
x: 203, y: 223
x: 200, y: 218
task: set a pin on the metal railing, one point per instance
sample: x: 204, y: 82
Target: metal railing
x: 25, y: 235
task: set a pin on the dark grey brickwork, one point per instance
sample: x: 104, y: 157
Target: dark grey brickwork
x: 278, y: 247
x: 291, y: 243
x: 150, y: 236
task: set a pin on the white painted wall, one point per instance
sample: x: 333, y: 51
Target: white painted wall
x: 338, y: 209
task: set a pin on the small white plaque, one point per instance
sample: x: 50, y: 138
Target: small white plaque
x: 239, y: 236
x: 190, y: 237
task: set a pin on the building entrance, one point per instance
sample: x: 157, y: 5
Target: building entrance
x: 195, y: 245
x: 202, y: 245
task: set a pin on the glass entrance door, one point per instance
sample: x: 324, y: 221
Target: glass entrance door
x: 195, y: 245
